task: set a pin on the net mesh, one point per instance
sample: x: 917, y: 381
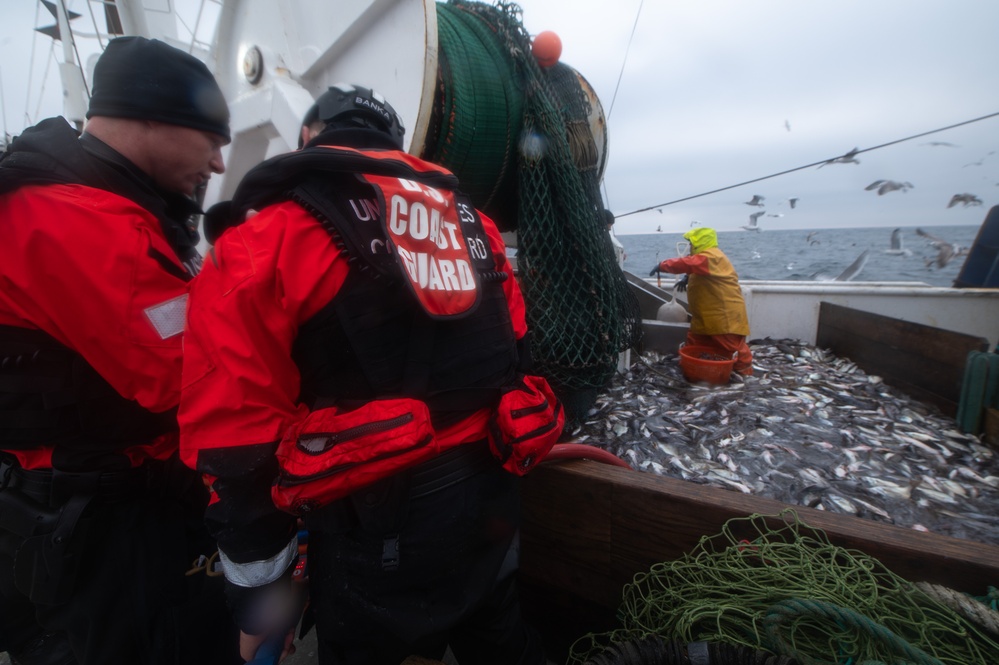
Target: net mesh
x: 776, y: 584
x: 493, y: 98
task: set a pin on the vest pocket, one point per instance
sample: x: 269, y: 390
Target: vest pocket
x: 335, y: 451
x: 527, y: 423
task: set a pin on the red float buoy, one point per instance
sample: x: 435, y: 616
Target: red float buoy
x: 546, y: 48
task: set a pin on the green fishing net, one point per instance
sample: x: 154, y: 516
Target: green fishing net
x: 773, y: 583
x: 518, y: 139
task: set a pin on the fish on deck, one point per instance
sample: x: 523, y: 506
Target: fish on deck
x: 812, y: 429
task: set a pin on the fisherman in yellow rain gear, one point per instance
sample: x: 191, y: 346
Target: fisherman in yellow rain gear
x: 717, y: 309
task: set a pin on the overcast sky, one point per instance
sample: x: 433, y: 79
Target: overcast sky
x: 712, y: 93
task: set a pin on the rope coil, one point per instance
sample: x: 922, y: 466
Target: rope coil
x: 787, y: 612
x: 766, y: 575
x: 968, y: 607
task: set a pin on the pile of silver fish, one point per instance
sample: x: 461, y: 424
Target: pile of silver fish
x: 808, y: 429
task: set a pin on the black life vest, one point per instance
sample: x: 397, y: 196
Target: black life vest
x: 375, y: 339
x: 50, y: 396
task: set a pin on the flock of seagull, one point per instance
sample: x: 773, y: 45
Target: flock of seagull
x: 882, y: 187
x: 885, y: 186
x: 754, y: 219
x: 946, y: 250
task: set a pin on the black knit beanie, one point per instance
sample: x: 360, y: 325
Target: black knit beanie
x: 147, y: 79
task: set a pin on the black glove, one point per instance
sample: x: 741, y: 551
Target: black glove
x: 681, y: 284
x: 654, y: 270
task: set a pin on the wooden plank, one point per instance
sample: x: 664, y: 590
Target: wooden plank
x: 589, y: 527
x: 573, y: 549
x: 925, y: 362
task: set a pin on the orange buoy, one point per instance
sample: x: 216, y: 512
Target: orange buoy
x: 546, y: 48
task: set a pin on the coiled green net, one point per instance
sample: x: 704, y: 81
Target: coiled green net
x: 773, y: 583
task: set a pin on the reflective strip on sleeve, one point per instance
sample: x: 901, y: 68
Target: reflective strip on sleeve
x: 259, y: 573
x: 168, y: 317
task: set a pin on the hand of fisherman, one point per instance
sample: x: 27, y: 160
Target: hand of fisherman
x: 250, y: 644
x: 681, y: 284
x: 655, y: 270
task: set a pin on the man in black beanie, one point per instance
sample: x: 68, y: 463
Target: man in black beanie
x: 104, y: 557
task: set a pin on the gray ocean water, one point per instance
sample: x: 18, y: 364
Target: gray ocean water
x: 816, y: 254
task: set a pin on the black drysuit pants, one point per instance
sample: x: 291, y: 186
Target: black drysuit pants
x: 132, y: 601
x: 399, y: 573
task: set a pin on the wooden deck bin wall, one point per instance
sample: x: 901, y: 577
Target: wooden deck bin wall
x: 926, y: 363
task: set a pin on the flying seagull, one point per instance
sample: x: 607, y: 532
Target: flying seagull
x: 980, y: 161
x: 945, y: 250
x: 754, y: 221
x: 793, y: 203
x: 885, y: 186
x: 757, y: 201
x: 848, y: 158
x: 896, y: 245
x: 966, y: 199
x: 809, y: 237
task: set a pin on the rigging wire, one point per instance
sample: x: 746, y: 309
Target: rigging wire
x: 76, y: 48
x: 197, y: 24
x: 31, y: 69
x: 807, y: 166
x: 603, y: 182
x: 182, y: 22
x: 97, y: 30
x: 625, y: 61
x: 3, y: 110
x: 41, y: 93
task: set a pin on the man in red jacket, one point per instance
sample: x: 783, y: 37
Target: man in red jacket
x: 99, y: 521
x: 356, y: 356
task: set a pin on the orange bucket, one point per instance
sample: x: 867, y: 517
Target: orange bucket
x: 702, y: 363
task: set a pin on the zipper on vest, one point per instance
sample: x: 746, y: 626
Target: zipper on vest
x: 357, y: 432
x: 288, y: 480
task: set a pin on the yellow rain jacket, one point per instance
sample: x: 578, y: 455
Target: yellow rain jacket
x: 713, y: 293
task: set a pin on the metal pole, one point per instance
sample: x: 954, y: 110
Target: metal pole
x: 3, y: 111
x: 75, y: 95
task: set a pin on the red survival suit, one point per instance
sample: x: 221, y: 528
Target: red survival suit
x: 95, y: 264
x: 302, y: 306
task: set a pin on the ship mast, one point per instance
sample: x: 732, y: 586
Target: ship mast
x: 74, y: 87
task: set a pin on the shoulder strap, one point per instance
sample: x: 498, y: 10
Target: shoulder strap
x: 272, y: 180
x: 365, y: 247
